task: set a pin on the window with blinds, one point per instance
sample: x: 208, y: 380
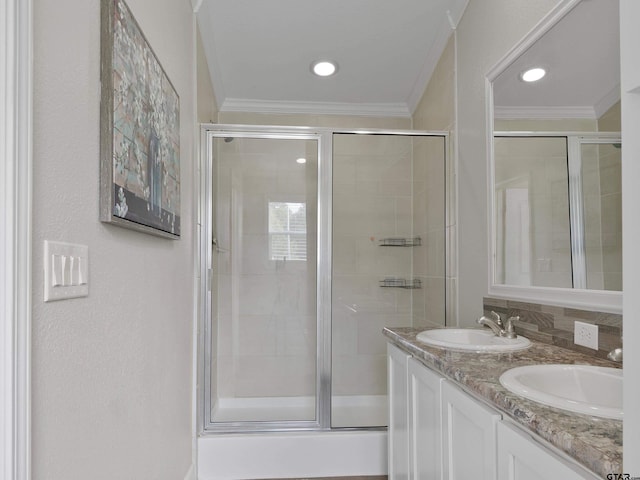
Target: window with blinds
x: 287, y: 231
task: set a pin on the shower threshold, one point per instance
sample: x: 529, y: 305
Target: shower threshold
x: 347, y: 411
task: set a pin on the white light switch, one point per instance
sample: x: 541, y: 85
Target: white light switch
x: 66, y: 271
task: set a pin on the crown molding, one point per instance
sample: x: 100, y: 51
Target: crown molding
x: 318, y: 108
x: 543, y: 113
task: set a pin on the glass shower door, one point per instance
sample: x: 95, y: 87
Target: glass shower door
x: 389, y: 235
x: 264, y: 260
x: 312, y: 242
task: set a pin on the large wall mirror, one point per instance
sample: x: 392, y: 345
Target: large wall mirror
x: 555, y: 150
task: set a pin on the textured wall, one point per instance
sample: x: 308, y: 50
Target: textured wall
x: 111, y: 372
x: 487, y: 31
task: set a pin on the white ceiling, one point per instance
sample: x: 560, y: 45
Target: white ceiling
x: 260, y: 52
x: 581, y: 54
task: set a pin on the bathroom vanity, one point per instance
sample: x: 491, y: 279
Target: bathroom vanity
x: 451, y: 418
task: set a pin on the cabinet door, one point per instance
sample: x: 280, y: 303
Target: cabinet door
x: 398, y: 433
x: 468, y: 436
x: 521, y: 458
x: 425, y: 426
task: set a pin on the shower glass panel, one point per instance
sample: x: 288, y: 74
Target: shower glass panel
x: 388, y: 264
x: 264, y: 258
x: 601, y: 187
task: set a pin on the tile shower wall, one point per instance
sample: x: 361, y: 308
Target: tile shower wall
x: 429, y: 223
x: 611, y: 190
x: 555, y: 325
x: 593, y: 218
x: 433, y: 179
x: 372, y: 187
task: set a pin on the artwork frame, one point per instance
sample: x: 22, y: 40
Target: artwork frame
x: 139, y: 130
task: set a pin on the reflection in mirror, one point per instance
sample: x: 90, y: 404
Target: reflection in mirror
x: 533, y: 245
x: 558, y: 210
x: 556, y: 152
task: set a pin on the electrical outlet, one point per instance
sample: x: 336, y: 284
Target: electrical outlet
x: 585, y: 334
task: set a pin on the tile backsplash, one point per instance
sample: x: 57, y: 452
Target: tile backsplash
x: 554, y: 325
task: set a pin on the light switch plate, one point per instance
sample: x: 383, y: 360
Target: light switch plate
x: 66, y: 271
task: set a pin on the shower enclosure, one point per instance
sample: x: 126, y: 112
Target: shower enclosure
x: 313, y: 240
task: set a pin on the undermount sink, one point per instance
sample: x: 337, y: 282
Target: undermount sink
x: 471, y: 339
x: 584, y: 389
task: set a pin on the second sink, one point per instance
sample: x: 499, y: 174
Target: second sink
x: 471, y: 339
x: 585, y: 389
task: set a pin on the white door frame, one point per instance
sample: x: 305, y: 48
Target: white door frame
x: 15, y: 237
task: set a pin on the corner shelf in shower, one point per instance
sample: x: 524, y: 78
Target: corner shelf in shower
x: 393, y: 282
x: 400, y: 242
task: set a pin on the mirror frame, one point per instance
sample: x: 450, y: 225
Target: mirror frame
x: 600, y: 300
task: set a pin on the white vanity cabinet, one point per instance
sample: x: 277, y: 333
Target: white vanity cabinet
x: 469, y: 430
x: 522, y: 458
x: 437, y: 431
x: 398, y: 433
x: 425, y: 422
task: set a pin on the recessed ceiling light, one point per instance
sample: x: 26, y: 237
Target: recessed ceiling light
x: 533, y: 74
x: 301, y: 160
x: 324, y: 68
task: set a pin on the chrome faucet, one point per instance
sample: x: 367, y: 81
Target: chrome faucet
x: 495, y: 324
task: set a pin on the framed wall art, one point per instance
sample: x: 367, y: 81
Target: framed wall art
x: 139, y: 130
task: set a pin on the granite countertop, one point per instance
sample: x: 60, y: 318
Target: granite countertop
x: 594, y: 442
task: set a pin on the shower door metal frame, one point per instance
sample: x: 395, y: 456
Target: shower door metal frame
x: 323, y: 277
x: 204, y: 235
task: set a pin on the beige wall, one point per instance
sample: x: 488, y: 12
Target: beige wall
x: 312, y: 120
x: 546, y: 125
x: 207, y: 110
x: 486, y: 32
x: 434, y: 181
x: 610, y: 121
x: 112, y: 372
